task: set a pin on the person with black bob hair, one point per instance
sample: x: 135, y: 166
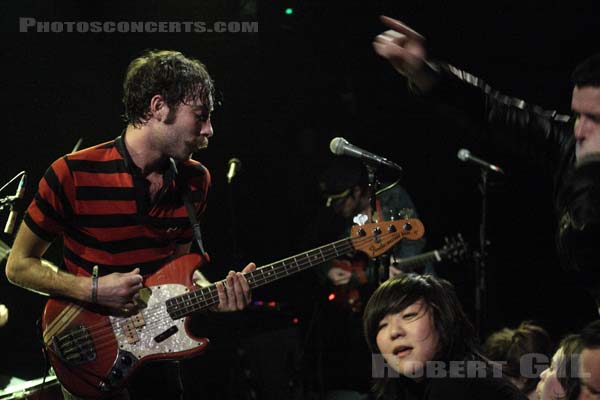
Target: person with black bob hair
x: 424, y: 346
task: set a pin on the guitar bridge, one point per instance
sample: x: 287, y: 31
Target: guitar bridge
x: 74, y: 346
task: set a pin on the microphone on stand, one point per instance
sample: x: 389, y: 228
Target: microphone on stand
x: 77, y: 145
x: 341, y: 147
x: 234, y: 167
x: 14, y: 212
x: 466, y: 156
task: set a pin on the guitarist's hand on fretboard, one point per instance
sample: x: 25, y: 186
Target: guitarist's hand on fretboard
x: 235, y: 294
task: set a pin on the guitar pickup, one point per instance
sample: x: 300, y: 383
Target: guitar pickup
x: 130, y: 331
x: 169, y: 332
x: 75, y: 346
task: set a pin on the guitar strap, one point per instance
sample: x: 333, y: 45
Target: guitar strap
x: 191, y: 211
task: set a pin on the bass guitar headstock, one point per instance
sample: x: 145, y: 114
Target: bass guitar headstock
x: 375, y: 239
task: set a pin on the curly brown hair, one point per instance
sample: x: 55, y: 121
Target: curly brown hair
x: 177, y: 78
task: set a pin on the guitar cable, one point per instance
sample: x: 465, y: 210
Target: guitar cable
x: 388, y: 187
x: 40, y: 335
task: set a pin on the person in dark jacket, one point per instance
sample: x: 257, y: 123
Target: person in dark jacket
x: 424, y: 347
x: 569, y: 146
x: 589, y: 364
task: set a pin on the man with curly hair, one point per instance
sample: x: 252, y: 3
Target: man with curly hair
x: 119, y: 205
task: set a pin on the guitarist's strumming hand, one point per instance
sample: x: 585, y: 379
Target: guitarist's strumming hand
x: 117, y: 290
x: 339, y: 276
x: 235, y: 294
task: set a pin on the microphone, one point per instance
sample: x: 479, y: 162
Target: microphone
x: 14, y: 213
x: 465, y: 155
x: 234, y: 167
x: 341, y: 147
x: 77, y: 145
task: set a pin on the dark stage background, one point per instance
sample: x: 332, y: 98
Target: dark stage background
x: 287, y: 91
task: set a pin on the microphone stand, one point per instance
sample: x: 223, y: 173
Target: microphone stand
x: 7, y: 201
x: 480, y: 256
x: 233, y: 224
x: 373, y: 188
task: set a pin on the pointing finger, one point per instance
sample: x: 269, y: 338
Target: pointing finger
x: 398, y: 26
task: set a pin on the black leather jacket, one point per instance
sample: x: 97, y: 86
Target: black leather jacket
x: 545, y: 138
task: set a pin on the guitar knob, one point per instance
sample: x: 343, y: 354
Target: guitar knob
x: 407, y: 226
x: 361, y: 232
x: 391, y: 229
x: 126, y: 360
x: 377, y: 231
x: 116, y: 373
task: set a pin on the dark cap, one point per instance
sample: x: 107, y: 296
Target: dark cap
x: 342, y: 174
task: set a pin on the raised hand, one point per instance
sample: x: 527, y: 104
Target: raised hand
x: 117, y: 290
x: 235, y: 294
x: 405, y: 49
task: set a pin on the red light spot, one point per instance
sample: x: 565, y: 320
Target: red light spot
x: 272, y: 304
x: 296, y: 320
x: 331, y: 296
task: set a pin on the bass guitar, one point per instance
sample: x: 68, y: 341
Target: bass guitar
x: 95, y: 352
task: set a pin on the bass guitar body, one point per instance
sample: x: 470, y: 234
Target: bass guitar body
x: 94, y: 353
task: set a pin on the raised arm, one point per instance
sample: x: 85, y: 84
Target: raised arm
x: 524, y: 130
x: 405, y: 49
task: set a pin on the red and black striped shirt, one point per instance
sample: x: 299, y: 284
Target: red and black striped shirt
x: 98, y: 200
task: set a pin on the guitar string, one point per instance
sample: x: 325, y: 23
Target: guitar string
x: 148, y: 315
x: 153, y: 316
x: 346, y: 245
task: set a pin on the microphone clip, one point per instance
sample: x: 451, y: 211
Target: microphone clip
x: 11, y: 201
